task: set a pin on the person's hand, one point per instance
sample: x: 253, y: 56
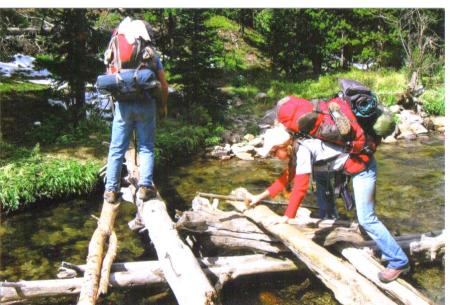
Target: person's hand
x: 277, y: 220
x: 253, y: 200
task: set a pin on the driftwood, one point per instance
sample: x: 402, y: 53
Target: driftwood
x: 348, y: 286
x: 107, y: 262
x: 232, y: 230
x: 180, y: 267
x: 181, y: 270
x: 219, y: 270
x: 369, y: 267
x: 89, y: 289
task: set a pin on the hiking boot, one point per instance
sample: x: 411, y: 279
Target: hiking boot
x: 111, y: 196
x: 389, y: 275
x: 341, y: 121
x: 146, y: 192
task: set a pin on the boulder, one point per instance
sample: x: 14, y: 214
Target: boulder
x: 248, y: 137
x: 245, y: 156
x: 395, y: 108
x: 438, y: 121
x: 261, y: 96
x: 408, y: 116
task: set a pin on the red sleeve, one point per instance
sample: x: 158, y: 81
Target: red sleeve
x: 279, y: 184
x: 301, y: 183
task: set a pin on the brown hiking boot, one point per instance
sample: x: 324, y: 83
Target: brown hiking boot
x: 341, y: 121
x: 111, y: 196
x: 146, y: 192
x: 389, y: 275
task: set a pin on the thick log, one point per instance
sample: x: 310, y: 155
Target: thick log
x: 348, y: 286
x: 232, y: 230
x: 424, y: 247
x: 89, y: 289
x: 181, y: 269
x: 107, y: 262
x: 369, y: 267
x: 219, y: 269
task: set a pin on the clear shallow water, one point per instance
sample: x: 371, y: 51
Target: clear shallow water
x: 410, y: 196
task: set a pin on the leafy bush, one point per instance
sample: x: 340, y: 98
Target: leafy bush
x: 29, y: 177
x: 434, y: 101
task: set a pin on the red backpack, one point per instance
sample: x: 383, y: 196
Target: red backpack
x: 121, y: 54
x: 314, y: 118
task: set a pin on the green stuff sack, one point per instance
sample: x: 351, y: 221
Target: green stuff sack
x: 384, y: 124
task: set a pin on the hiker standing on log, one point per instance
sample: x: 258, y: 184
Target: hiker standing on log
x: 131, y: 50
x: 303, y: 152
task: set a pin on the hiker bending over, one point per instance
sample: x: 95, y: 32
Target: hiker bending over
x: 133, y: 112
x: 302, y: 154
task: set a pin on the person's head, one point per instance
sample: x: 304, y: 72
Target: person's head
x: 277, y: 143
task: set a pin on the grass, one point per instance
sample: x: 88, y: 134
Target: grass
x: 27, y: 176
x: 8, y: 85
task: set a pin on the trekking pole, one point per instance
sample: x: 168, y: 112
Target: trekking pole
x: 234, y: 198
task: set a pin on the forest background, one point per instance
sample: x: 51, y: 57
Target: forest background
x: 220, y: 64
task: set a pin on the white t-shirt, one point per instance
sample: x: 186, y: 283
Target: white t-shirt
x: 314, y: 150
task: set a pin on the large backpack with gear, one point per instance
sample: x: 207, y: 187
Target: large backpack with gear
x: 131, y: 63
x: 374, y: 118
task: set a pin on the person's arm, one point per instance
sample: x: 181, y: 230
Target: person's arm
x: 164, y: 92
x: 276, y: 187
x: 299, y: 190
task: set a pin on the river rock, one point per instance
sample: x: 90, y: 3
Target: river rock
x: 242, y: 148
x: 408, y: 116
x: 220, y: 151
x: 389, y: 139
x: 256, y: 142
x: 438, y: 121
x: 245, y: 156
x: 248, y: 137
x: 261, y: 96
x: 395, y: 108
x: 418, y: 129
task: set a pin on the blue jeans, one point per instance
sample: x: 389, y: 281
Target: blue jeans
x: 327, y: 205
x: 129, y: 116
x: 364, y: 189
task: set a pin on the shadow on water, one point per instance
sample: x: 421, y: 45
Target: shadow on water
x: 410, y: 199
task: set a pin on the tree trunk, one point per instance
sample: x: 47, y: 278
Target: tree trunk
x: 181, y: 270
x: 147, y: 273
x: 89, y: 289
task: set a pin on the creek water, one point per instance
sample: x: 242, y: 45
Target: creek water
x: 410, y: 199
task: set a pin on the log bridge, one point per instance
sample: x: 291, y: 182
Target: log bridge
x: 196, y: 279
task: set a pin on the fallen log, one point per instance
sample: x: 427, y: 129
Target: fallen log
x: 181, y: 270
x: 348, y: 286
x: 369, y: 267
x: 232, y: 230
x: 89, y: 289
x: 219, y: 269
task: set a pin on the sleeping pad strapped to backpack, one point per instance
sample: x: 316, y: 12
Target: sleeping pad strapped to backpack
x: 131, y: 62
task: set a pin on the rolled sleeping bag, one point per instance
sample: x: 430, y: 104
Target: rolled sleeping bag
x: 127, y: 81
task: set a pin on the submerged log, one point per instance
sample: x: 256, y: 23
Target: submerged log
x: 348, y: 286
x: 218, y: 269
x: 181, y: 269
x: 89, y: 289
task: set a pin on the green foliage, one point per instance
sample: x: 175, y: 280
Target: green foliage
x: 434, y: 101
x: 222, y: 23
x: 178, y: 140
x: 28, y: 176
x: 8, y: 85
